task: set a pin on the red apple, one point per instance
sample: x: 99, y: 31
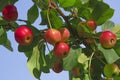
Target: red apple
x: 61, y: 50
x: 65, y: 34
x: 52, y: 36
x: 108, y: 39
x: 57, y: 67
x: 10, y: 13
x: 91, y: 24
x: 24, y: 35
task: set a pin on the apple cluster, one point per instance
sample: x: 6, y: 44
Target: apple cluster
x: 58, y: 39
x: 23, y: 34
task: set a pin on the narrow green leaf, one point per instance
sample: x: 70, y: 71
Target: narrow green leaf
x: 44, y: 65
x: 109, y: 54
x: 3, y: 38
x: 1, y: 31
x: 32, y: 14
x: 66, y: 3
x: 33, y: 62
x: 116, y: 29
x: 108, y: 25
x: 43, y: 17
x: 72, y: 59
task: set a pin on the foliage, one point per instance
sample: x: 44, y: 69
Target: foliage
x: 90, y: 57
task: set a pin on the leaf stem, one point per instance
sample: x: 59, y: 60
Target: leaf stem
x: 90, y: 64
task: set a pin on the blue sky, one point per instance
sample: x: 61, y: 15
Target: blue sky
x: 13, y: 64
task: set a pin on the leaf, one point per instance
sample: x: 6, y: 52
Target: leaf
x: 5, y: 2
x: 1, y: 31
x: 33, y: 62
x: 82, y: 58
x: 117, y: 48
x: 42, y: 4
x: 44, y: 65
x: 66, y: 3
x: 102, y: 12
x: 116, y: 29
x: 108, y: 25
x: 105, y: 16
x: 32, y: 14
x: 109, y: 54
x: 8, y: 45
x: 72, y: 59
x: 44, y: 17
x: 55, y: 20
x: 3, y: 38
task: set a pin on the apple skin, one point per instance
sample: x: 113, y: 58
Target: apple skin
x: 65, y: 34
x: 57, y: 67
x: 61, y: 50
x: 91, y: 24
x: 52, y: 36
x: 24, y: 35
x: 108, y: 39
x: 111, y: 70
x: 10, y: 13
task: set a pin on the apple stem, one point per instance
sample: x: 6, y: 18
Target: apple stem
x: 49, y: 18
x: 90, y: 64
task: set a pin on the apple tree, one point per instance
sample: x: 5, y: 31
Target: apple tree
x: 77, y: 45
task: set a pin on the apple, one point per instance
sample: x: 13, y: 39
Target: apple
x: 65, y: 34
x: 10, y: 13
x: 23, y: 35
x: 91, y: 24
x: 61, y: 50
x: 76, y: 70
x: 57, y: 67
x: 52, y: 36
x: 111, y: 70
x: 108, y: 39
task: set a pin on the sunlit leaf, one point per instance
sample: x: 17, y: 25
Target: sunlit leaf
x: 109, y: 54
x: 108, y: 25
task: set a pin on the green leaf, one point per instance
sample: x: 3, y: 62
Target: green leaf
x: 72, y: 59
x: 44, y: 65
x: 55, y: 20
x: 105, y: 16
x: 66, y: 3
x: 108, y: 25
x: 33, y: 62
x: 8, y: 45
x: 1, y: 31
x: 44, y: 17
x: 3, y: 38
x: 116, y: 29
x: 32, y: 14
x: 82, y: 58
x: 117, y: 48
x: 6, y: 2
x: 109, y: 54
x: 102, y: 12
x: 42, y: 4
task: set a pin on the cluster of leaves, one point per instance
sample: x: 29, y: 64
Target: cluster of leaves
x: 91, y: 57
